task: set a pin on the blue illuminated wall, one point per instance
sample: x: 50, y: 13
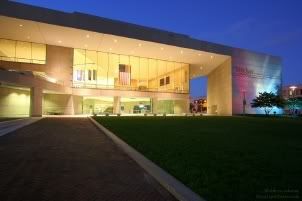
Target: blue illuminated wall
x: 253, y: 73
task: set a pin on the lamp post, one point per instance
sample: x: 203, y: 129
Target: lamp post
x: 292, y: 89
x: 243, y: 102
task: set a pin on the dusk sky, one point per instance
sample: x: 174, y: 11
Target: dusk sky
x: 270, y: 26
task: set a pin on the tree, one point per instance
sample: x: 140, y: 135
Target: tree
x: 267, y: 101
x: 293, y: 104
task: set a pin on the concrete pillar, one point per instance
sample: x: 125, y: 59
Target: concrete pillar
x: 154, y: 105
x: 187, y: 106
x: 69, y: 109
x: 116, y: 105
x: 36, y: 96
x: 219, y: 92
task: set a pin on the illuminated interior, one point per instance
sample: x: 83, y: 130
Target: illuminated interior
x: 25, y: 52
x: 14, y: 101
x: 94, y: 69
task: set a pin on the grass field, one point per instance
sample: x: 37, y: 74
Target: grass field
x: 221, y: 158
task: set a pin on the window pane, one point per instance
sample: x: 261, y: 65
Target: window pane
x: 177, y: 77
x: 161, y: 74
x: 134, y: 63
x: 124, y: 59
x: 38, y: 53
x: 7, y: 50
x: 153, y: 84
x: 79, y: 57
x: 102, y: 67
x: 186, y: 77
x: 143, y: 74
x: 91, y: 58
x: 113, y: 70
x: 170, y: 76
x: 23, y: 52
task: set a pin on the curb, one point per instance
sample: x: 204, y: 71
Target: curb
x: 170, y: 183
x: 7, y: 127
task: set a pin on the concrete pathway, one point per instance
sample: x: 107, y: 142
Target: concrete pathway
x: 12, y: 125
x: 69, y: 159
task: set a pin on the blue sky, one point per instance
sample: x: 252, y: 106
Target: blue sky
x: 270, y: 26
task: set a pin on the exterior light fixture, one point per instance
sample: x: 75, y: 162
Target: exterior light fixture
x: 181, y: 52
x: 293, y: 87
x: 20, y: 25
x: 87, y: 36
x: 161, y: 48
x: 59, y: 41
x: 115, y: 40
x: 199, y: 54
x: 139, y: 44
x: 212, y: 56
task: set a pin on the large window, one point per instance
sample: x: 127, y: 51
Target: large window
x: 25, y: 52
x: 92, y: 69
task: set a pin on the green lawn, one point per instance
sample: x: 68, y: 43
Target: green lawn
x: 221, y: 158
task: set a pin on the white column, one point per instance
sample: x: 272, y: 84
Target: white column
x: 154, y: 105
x: 116, y: 105
x: 36, y: 96
x: 69, y: 108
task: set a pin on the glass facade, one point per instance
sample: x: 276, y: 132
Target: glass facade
x: 133, y: 105
x: 136, y: 105
x: 92, y: 69
x: 26, y: 52
x: 97, y: 105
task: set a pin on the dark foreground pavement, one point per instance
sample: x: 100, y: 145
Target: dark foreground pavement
x: 69, y: 159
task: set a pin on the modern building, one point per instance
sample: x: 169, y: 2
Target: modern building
x: 54, y: 62
x: 292, y: 91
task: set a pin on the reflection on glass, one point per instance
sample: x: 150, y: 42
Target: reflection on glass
x: 93, y: 69
x: 25, y: 52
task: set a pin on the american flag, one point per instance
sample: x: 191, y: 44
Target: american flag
x: 124, y: 78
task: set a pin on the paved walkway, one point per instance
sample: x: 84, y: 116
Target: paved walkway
x: 68, y: 159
